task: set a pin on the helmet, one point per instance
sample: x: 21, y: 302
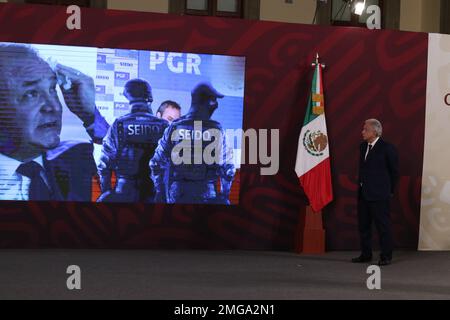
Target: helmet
x: 204, y: 96
x: 138, y: 90
x: 205, y: 90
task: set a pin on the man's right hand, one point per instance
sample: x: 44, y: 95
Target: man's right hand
x: 80, y: 97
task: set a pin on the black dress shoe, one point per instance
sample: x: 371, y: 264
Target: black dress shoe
x: 361, y: 259
x: 384, y: 262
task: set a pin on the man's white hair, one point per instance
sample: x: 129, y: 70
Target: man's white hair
x: 12, y: 57
x: 376, y: 125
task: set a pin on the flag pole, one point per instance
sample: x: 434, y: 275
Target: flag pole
x: 312, y: 240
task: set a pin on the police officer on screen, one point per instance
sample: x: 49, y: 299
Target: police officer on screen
x: 196, y: 181
x: 128, y: 147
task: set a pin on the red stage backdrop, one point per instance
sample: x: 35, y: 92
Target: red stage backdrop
x: 369, y: 74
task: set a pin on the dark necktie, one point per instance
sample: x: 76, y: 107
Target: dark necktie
x: 38, y: 188
x: 368, y: 152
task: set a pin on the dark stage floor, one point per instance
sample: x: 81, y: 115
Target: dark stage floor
x: 41, y: 274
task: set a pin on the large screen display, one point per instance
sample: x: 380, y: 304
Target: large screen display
x: 115, y: 125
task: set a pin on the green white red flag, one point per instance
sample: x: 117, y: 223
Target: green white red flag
x: 313, y: 153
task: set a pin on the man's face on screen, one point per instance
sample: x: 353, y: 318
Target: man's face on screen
x: 211, y: 104
x: 37, y: 111
x: 171, y: 114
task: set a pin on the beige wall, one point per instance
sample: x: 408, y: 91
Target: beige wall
x: 415, y: 15
x: 300, y: 11
x: 435, y: 205
x: 432, y: 15
x: 140, y: 5
x: 411, y: 15
x: 420, y: 15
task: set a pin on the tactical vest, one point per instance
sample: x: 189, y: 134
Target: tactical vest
x: 138, y: 135
x: 195, y: 172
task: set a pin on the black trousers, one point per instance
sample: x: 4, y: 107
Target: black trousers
x: 379, y: 213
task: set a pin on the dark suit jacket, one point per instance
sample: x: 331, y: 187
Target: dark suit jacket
x: 70, y: 168
x: 378, y: 175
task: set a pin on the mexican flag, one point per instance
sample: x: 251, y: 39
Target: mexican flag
x: 313, y: 154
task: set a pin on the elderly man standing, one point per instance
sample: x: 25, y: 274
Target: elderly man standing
x: 34, y: 163
x: 378, y: 175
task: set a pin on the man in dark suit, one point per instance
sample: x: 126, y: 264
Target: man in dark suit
x: 378, y: 175
x: 34, y: 163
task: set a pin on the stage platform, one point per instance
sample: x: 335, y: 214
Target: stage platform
x: 206, y: 275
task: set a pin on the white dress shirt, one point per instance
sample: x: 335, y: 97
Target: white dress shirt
x: 371, y: 144
x: 14, y: 186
